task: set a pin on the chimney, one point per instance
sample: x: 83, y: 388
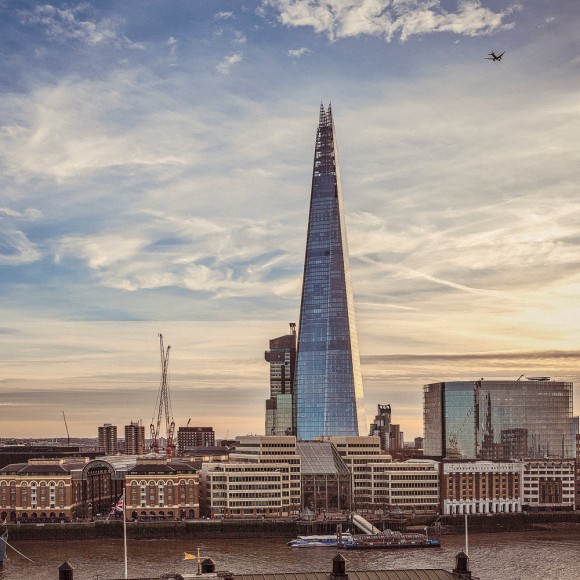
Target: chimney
x: 65, y: 571
x: 462, y: 566
x: 338, y: 568
x: 208, y: 566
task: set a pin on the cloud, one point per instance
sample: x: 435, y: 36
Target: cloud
x: 239, y: 37
x: 298, y: 52
x: 223, y: 15
x: 228, y: 62
x: 383, y: 18
x: 15, y: 247
x: 172, y: 44
x: 66, y: 129
x: 74, y: 23
x: 222, y: 258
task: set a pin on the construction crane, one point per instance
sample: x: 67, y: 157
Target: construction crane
x: 163, y: 405
x: 66, y: 426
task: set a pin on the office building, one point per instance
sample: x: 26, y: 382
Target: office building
x: 481, y: 487
x: 108, y: 439
x: 381, y: 426
x: 548, y: 485
x: 328, y: 391
x: 380, y: 484
x: 498, y: 420
x: 189, y: 438
x: 134, y: 439
x: 282, y: 359
x: 262, y: 478
x: 395, y: 438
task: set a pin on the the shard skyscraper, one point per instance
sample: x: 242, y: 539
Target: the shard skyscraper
x: 328, y: 390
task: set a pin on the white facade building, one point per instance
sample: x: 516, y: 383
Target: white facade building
x: 378, y: 483
x: 261, y: 478
x: 548, y: 484
x: 481, y: 487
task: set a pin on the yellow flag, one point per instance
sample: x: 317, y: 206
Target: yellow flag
x: 187, y: 556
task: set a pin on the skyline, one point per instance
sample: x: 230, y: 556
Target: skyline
x: 156, y: 164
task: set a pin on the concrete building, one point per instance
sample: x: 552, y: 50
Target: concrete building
x: 577, y: 472
x: 134, y: 438
x: 328, y: 390
x: 261, y: 479
x: 548, y: 485
x: 108, y: 443
x: 379, y: 484
x: 279, y: 407
x: 395, y: 438
x: 481, y: 487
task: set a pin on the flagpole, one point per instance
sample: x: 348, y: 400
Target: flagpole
x: 125, y: 534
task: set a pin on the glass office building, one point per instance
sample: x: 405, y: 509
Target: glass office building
x: 282, y: 359
x: 498, y: 420
x: 328, y: 392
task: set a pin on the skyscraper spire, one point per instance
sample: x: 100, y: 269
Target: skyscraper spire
x: 328, y: 389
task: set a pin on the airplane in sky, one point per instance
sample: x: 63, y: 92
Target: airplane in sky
x: 495, y: 57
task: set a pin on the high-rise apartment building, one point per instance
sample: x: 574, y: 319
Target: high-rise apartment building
x: 498, y: 420
x: 282, y: 359
x: 328, y: 391
x: 108, y: 439
x: 134, y: 438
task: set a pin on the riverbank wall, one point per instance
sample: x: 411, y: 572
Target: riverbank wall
x: 520, y: 522
x: 159, y: 530
x: 238, y: 529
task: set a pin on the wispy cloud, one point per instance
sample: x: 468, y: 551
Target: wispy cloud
x: 224, y: 15
x: 76, y: 23
x: 298, y: 52
x: 16, y: 248
x: 225, y: 66
x: 406, y: 18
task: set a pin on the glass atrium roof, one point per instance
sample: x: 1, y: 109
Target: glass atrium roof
x: 319, y: 458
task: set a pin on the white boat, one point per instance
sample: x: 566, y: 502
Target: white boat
x: 320, y: 541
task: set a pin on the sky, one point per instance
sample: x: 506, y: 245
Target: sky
x: 155, y: 169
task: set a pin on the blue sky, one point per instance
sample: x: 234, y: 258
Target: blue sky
x: 156, y: 161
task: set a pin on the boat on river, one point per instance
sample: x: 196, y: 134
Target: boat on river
x: 321, y: 541
x: 390, y: 540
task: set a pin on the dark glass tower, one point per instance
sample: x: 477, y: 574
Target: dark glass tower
x: 282, y: 359
x: 328, y: 389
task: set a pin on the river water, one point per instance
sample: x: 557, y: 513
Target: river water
x: 506, y: 556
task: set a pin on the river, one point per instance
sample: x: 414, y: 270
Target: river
x: 506, y: 556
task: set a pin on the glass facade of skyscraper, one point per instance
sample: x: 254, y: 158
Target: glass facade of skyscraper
x: 282, y: 359
x: 328, y: 390
x: 498, y: 420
